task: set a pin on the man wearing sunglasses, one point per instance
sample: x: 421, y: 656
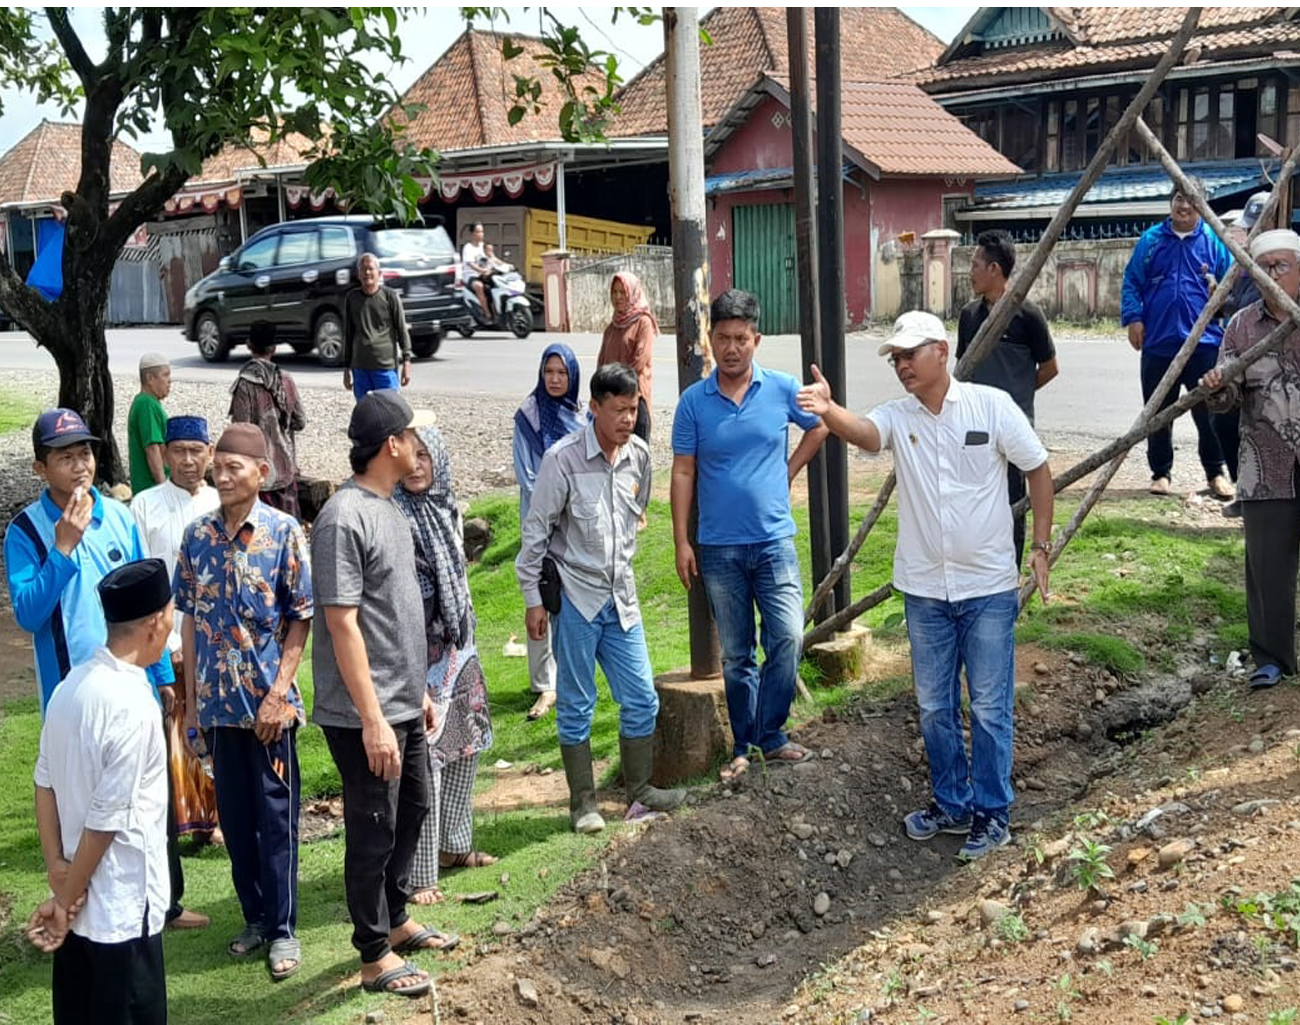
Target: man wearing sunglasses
x: 955, y: 566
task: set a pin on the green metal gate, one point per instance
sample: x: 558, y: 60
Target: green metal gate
x: 764, y: 261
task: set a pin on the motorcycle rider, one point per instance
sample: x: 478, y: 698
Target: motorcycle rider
x: 477, y: 269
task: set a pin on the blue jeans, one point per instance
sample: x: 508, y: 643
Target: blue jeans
x: 577, y: 646
x: 977, y: 633
x: 736, y: 578
x: 373, y: 380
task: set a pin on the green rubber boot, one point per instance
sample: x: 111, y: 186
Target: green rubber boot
x: 638, y: 763
x: 582, y: 788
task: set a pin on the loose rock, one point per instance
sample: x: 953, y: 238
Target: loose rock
x: 526, y: 990
x: 1173, y: 853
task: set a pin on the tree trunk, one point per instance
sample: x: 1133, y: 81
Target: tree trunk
x: 80, y: 350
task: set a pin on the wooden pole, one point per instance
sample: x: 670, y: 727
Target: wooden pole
x: 990, y: 333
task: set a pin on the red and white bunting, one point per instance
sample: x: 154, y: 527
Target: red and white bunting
x: 207, y: 200
x: 484, y: 183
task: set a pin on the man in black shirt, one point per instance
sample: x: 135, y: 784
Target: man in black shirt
x: 1025, y: 358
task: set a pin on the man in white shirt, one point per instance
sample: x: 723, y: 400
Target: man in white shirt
x: 101, y: 795
x: 162, y: 513
x: 475, y: 266
x: 955, y: 566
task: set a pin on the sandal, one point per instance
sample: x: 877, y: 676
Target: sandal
x: 789, y: 753
x: 428, y: 895
x: 465, y: 859
x: 1265, y: 676
x: 734, y: 769
x: 246, y: 942
x: 420, y: 941
x: 286, y: 949
x: 382, y: 983
x: 544, y: 703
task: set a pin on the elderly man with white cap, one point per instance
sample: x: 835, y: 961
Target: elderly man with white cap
x: 955, y: 566
x: 146, y: 423
x: 1269, y: 398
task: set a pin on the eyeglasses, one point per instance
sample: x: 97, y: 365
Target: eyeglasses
x: 1276, y: 270
x: 908, y: 355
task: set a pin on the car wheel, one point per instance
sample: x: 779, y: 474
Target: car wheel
x: 302, y: 348
x: 213, y: 346
x: 425, y: 345
x: 466, y: 330
x: 521, y: 321
x: 329, y: 339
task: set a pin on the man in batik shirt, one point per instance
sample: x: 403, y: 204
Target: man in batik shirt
x: 243, y: 583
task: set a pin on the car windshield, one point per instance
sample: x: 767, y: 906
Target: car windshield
x: 412, y: 243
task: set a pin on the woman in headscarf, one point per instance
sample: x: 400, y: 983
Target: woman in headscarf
x: 630, y: 339
x: 463, y: 728
x: 549, y: 413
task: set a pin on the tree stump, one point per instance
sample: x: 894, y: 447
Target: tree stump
x: 693, y: 731
x: 842, y: 659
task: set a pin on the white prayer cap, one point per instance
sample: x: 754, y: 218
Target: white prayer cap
x: 1275, y: 241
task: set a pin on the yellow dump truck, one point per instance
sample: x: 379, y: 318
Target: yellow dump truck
x: 521, y: 234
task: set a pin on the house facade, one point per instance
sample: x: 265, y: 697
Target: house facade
x: 1044, y: 86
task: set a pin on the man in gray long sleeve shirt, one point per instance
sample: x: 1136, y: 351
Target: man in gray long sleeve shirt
x: 591, y: 491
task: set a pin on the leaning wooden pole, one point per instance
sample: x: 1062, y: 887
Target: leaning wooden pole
x: 990, y: 333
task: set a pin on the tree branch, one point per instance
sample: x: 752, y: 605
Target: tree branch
x: 141, y: 205
x: 72, y: 48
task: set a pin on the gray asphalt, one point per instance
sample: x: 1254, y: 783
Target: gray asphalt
x: 1095, y: 398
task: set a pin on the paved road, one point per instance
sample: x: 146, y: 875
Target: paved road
x: 1094, y: 399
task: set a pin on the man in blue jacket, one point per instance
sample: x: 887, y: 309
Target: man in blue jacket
x: 1167, y: 282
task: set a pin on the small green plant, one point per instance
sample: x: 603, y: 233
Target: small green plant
x: 1091, y: 820
x: 1012, y: 928
x: 1146, y: 949
x: 924, y: 1014
x: 1182, y: 1019
x: 894, y: 986
x: 1105, y: 967
x: 1088, y: 864
x: 1283, y: 1017
x: 1193, y: 915
x: 1065, y: 987
x: 1263, y: 950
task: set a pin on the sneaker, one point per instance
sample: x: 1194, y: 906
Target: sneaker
x: 931, y: 821
x: 987, y: 833
x: 1232, y: 510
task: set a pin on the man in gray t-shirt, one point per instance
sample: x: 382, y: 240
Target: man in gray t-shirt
x: 370, y: 701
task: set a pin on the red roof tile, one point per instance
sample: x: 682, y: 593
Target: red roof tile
x: 468, y: 92
x: 46, y: 162
x: 1116, y: 38
x: 287, y: 151
x: 748, y: 41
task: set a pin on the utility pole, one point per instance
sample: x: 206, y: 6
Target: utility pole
x: 805, y: 233
x: 690, y: 265
x: 830, y: 268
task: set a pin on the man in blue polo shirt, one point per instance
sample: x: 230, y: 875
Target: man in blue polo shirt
x: 60, y: 547
x: 730, y: 434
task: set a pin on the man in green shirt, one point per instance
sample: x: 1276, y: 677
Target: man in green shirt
x: 375, y: 339
x: 146, y: 424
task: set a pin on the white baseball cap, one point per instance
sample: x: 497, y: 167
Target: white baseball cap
x: 1273, y: 241
x: 913, y: 328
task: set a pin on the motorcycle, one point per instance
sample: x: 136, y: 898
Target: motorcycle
x: 507, y: 296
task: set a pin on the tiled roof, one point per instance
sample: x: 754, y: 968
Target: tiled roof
x: 468, y: 92
x: 900, y: 130
x: 1127, y: 184
x: 46, y: 162
x: 750, y: 40
x: 287, y: 151
x: 1116, y: 38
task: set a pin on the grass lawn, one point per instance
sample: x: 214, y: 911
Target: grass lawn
x: 1138, y: 579
x: 17, y: 410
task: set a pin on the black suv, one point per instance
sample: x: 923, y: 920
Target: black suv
x: 295, y: 274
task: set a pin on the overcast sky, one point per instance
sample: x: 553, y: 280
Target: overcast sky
x: 425, y: 35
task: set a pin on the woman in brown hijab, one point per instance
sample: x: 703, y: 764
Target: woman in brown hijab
x: 630, y: 339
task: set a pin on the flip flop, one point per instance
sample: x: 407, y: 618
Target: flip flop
x: 1265, y: 676
x: 249, y: 940
x: 788, y: 753
x: 418, y: 941
x: 734, y: 769
x: 284, y: 949
x: 381, y: 982
x: 465, y: 859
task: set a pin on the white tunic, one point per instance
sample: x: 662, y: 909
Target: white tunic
x: 102, y: 753
x: 162, y: 513
x: 954, y: 521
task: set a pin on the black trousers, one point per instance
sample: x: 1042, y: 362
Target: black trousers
x: 1272, y: 530
x: 173, y: 848
x: 110, y: 983
x: 642, y: 426
x: 258, y: 795
x: 1160, y: 444
x: 382, y: 820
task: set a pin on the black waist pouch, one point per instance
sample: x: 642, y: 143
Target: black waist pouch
x: 549, y: 585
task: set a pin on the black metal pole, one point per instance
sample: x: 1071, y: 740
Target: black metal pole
x: 830, y: 269
x: 805, y: 233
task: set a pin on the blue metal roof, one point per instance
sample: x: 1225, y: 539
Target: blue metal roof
x: 1118, y: 184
